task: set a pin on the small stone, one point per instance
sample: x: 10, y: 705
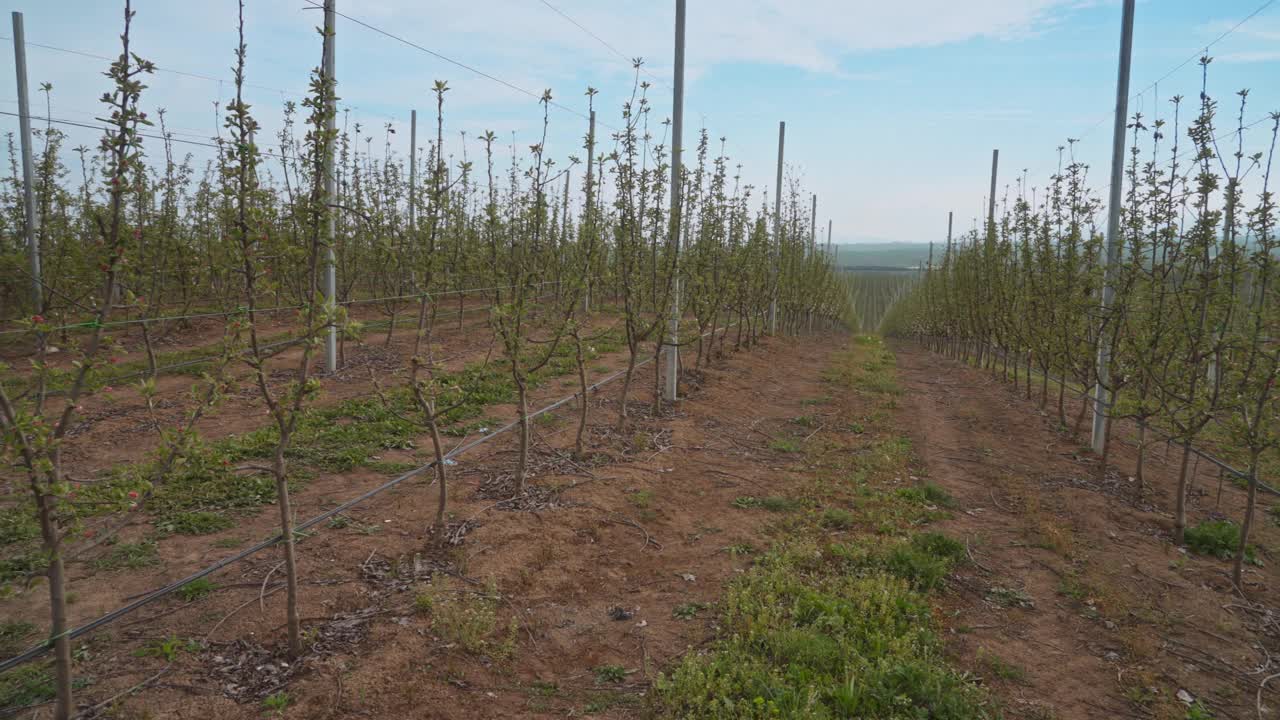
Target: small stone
x: 1112, y: 656
x: 1185, y: 697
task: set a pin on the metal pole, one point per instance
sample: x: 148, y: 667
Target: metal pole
x: 28, y: 169
x: 677, y: 128
x: 777, y: 229
x: 813, y: 244
x: 829, y: 238
x: 1113, y: 224
x: 590, y: 202
x: 413, y: 194
x: 813, y: 226
x: 991, y: 199
x: 564, y: 214
x: 413, y: 169
x: 330, y: 187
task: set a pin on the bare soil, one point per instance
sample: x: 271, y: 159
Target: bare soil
x: 1077, y: 594
x: 1075, y: 603
x: 590, y: 566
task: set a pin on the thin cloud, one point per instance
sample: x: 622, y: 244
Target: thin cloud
x: 1259, y: 56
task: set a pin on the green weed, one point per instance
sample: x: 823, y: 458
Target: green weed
x: 276, y: 703
x: 26, y: 685
x: 199, y: 522
x: 468, y: 620
x: 130, y: 556
x: 640, y: 498
x: 772, y: 503
x: 610, y: 674
x: 807, y: 638
x: 1001, y: 668
x: 837, y: 519
x: 13, y: 635
x: 1198, y: 712
x: 196, y: 589
x: 688, y: 611
x: 785, y: 445
x: 927, y: 494
x: 1219, y: 538
x: 167, y: 649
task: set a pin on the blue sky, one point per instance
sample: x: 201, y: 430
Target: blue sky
x: 892, y: 109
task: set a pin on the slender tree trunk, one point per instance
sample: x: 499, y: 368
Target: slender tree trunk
x: 52, y: 545
x: 1062, y: 402
x: 626, y: 388
x: 522, y: 464
x: 1142, y: 454
x: 1237, y: 569
x: 582, y: 397
x: 1079, y: 423
x: 438, y: 447
x: 290, y: 558
x: 657, y: 374
x: 1180, y: 506
x: 1044, y: 386
x: 1028, y: 374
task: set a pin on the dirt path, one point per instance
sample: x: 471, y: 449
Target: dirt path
x: 1077, y: 604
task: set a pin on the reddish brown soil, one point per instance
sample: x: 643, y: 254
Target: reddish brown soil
x: 1076, y: 585
x: 644, y: 527
x: 1076, y: 605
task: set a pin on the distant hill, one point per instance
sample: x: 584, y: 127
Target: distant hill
x: 883, y: 255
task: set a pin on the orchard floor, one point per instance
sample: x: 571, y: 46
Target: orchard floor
x: 1073, y: 603
x: 1076, y: 603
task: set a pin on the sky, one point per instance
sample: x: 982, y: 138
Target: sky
x: 892, y: 108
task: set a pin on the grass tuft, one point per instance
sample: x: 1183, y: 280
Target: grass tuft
x: 1219, y: 538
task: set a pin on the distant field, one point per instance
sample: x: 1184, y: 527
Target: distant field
x: 882, y: 255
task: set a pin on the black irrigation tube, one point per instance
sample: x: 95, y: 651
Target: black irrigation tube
x: 1168, y: 438
x: 159, y: 593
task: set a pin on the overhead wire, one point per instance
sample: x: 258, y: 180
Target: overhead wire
x: 153, y: 136
x: 629, y: 60
x: 1194, y: 56
x: 1201, y: 52
x: 458, y: 63
x: 200, y: 76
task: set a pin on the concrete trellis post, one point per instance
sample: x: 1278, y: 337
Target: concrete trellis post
x: 777, y: 228
x: 813, y: 226
x: 330, y: 188
x: 32, y: 223
x: 1099, y: 438
x: 991, y: 199
x: 677, y: 128
x: 413, y: 169
x: 590, y: 202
